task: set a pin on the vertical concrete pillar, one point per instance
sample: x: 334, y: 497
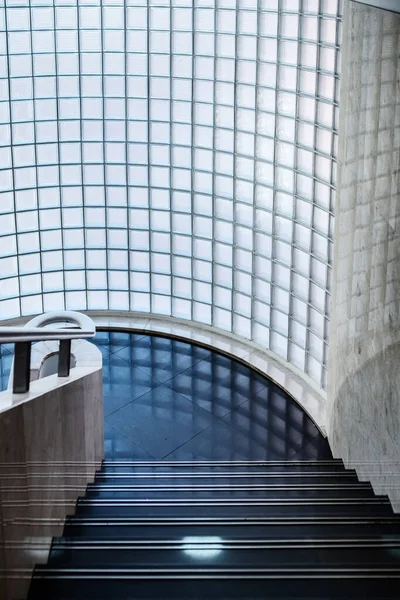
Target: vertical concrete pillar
x: 364, y: 363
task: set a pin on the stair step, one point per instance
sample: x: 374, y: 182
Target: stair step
x: 227, y: 501
x: 249, y: 542
x: 251, y: 584
x: 218, y: 486
x: 237, y: 478
x: 217, y: 463
x: 185, y: 507
x: 248, y: 528
x: 96, y: 491
x: 172, y: 467
x: 216, y: 553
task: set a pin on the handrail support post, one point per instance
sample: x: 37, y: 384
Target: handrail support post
x: 22, y: 367
x: 64, y: 358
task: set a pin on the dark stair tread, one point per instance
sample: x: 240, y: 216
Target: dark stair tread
x: 228, y: 506
x: 224, y: 468
x: 238, y: 510
x: 226, y: 500
x: 238, y: 572
x: 338, y: 511
x: 84, y: 584
x: 260, y: 493
x: 228, y: 465
x: 240, y: 478
x: 176, y: 543
x: 123, y: 532
x: 218, y: 485
x: 393, y: 519
x: 247, y: 526
x: 215, y: 555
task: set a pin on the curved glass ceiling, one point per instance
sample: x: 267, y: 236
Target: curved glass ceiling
x: 173, y: 158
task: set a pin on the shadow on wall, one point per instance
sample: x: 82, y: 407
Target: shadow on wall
x: 50, y: 365
x: 366, y: 423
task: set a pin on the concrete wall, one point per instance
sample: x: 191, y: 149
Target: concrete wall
x: 364, y: 362
x: 51, y: 443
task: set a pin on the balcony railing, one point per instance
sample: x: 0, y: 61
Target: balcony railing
x: 74, y: 326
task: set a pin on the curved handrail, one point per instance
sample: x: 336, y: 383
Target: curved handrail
x: 65, y: 316
x: 35, y: 330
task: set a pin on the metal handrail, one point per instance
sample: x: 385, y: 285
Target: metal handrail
x: 35, y: 331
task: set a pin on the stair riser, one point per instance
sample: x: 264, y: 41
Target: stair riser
x: 280, y: 588
x: 96, y: 492
x: 234, y: 510
x: 219, y: 557
x: 227, y: 480
x: 279, y: 470
x: 218, y: 463
x: 230, y: 532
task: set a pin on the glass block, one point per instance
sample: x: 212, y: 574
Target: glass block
x: 288, y: 52
x: 301, y: 262
x: 202, y: 292
x: 222, y: 318
x: 325, y: 114
x: 296, y: 355
x: 283, y: 253
x: 223, y: 254
x: 223, y: 231
x: 202, y: 313
x: 298, y: 334
x: 243, y: 282
x: 181, y: 309
x: 263, y: 267
x: 241, y: 305
x: 244, y: 214
x: 260, y: 334
x: 319, y: 272
x: 242, y: 326
x: 284, y: 179
x: 278, y: 344
x: 268, y: 49
x: 281, y: 275
x: 304, y: 186
x: 31, y: 305
x: 261, y: 310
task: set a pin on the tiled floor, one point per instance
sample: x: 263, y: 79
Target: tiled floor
x: 165, y: 399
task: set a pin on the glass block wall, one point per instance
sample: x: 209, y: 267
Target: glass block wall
x: 175, y: 157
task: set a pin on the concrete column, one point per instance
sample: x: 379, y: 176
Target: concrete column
x: 364, y: 363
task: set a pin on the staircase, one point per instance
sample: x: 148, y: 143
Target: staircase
x: 248, y: 530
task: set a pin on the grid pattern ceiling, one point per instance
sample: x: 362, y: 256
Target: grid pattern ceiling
x: 173, y: 157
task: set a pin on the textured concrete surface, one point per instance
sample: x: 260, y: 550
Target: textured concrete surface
x: 364, y: 365
x: 51, y: 443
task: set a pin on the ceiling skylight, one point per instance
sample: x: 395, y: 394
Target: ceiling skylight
x: 173, y: 158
